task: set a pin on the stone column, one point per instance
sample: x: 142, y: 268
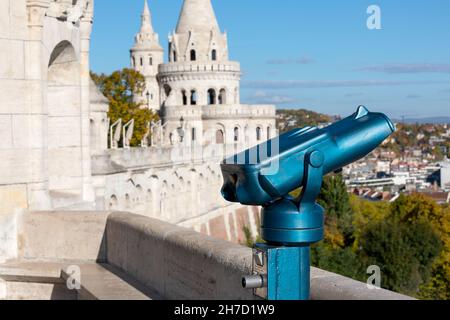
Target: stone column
x: 85, y: 37
x: 35, y: 73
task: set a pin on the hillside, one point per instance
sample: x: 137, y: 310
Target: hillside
x: 288, y: 119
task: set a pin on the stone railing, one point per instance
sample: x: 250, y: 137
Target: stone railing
x: 226, y: 111
x: 121, y: 160
x: 175, y: 262
x: 174, y: 67
x: 187, y: 112
x: 238, y: 111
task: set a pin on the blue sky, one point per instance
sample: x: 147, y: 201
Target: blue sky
x: 313, y: 54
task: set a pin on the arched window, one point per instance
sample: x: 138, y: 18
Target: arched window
x: 258, y: 134
x: 236, y: 134
x: 214, y: 55
x: 184, y: 97
x: 211, y: 96
x: 139, y: 193
x: 133, y: 62
x: 174, y: 56
x: 127, y: 200
x: 194, y: 134
x: 167, y: 90
x: 193, y: 55
x: 113, y: 202
x: 142, y: 62
x: 223, y: 97
x: 151, y: 61
x: 220, y: 137
x: 269, y: 132
x: 193, y: 98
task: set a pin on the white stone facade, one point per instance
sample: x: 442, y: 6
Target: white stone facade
x: 44, y: 102
x: 199, y: 87
x: 54, y: 124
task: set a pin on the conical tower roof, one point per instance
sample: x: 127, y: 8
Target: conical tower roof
x: 146, y: 18
x: 197, y: 16
x: 146, y: 39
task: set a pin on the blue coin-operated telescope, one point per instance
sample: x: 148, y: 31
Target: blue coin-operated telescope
x: 265, y: 176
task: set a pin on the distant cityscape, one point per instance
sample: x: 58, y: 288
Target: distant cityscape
x: 414, y: 160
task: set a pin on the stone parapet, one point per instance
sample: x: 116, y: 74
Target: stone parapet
x: 120, y: 160
x: 188, y: 265
x: 187, y: 112
x: 238, y: 111
x: 177, y: 263
x: 181, y: 67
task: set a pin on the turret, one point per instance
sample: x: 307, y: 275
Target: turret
x: 199, y: 82
x: 198, y: 36
x: 146, y: 55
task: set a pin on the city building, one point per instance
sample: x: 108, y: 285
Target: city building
x: 445, y: 175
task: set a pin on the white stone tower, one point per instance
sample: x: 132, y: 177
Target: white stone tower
x: 198, y: 76
x: 146, y: 55
x: 198, y: 36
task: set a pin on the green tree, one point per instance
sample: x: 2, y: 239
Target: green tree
x: 339, y: 214
x: 343, y: 261
x: 418, y: 208
x: 120, y: 88
x: 365, y: 213
x: 404, y: 252
x: 335, y: 253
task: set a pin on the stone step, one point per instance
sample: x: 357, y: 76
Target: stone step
x: 38, y: 291
x: 48, y: 281
x: 105, y: 282
x: 34, y: 281
x: 41, y: 272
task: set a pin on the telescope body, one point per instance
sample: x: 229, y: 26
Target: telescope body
x: 266, y: 174
x: 272, y: 170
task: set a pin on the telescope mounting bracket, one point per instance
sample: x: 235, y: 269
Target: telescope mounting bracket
x: 312, y: 182
x: 299, y: 221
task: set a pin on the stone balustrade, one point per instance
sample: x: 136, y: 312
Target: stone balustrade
x: 121, y: 160
x: 176, y: 67
x: 187, y: 112
x: 226, y: 111
x: 238, y: 111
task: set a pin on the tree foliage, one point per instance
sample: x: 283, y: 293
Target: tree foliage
x: 404, y: 252
x: 335, y: 199
x: 408, y: 240
x: 119, y: 88
x: 421, y: 209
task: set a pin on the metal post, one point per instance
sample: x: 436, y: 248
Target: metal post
x: 289, y: 273
x: 280, y: 273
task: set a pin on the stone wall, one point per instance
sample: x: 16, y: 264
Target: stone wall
x: 176, y: 262
x: 182, y: 264
x: 44, y: 103
x: 155, y: 183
